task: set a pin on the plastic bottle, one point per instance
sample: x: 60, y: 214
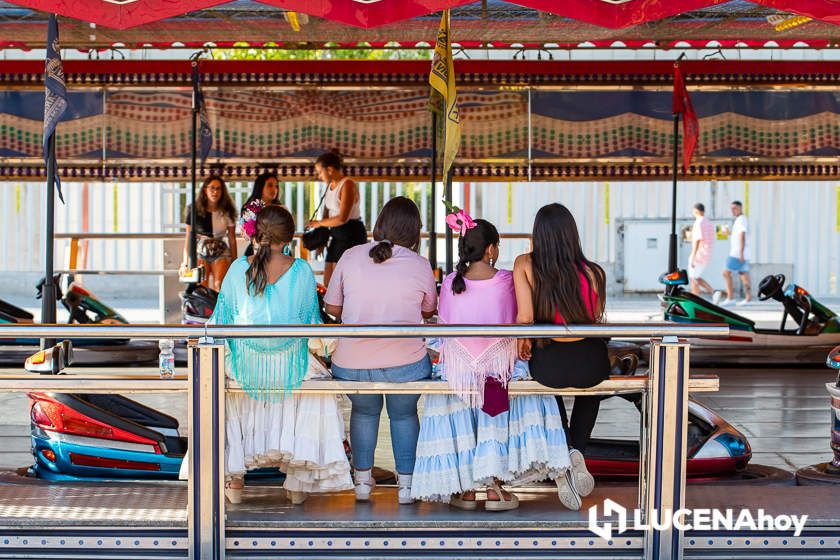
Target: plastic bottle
x: 167, y: 358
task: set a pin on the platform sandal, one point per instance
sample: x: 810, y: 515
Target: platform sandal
x: 502, y: 504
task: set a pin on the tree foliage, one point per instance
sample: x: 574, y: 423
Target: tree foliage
x: 269, y: 51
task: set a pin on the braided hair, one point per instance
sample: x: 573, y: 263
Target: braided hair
x: 471, y: 248
x: 275, y: 226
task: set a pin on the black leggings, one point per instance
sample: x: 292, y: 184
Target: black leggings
x: 584, y: 415
x: 581, y: 364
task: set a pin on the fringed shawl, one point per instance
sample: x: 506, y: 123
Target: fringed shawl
x: 467, y: 362
x: 467, y: 373
x: 268, y: 368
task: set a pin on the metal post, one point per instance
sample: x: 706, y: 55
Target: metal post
x: 193, y: 261
x: 48, y: 294
x: 433, y: 209
x: 206, y: 506
x: 665, y: 447
x: 449, y: 237
x: 672, y: 240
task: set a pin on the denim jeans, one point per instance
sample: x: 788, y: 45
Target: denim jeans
x: 402, y: 412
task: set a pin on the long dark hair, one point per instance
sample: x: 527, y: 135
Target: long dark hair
x: 225, y: 202
x: 275, y: 226
x: 397, y: 224
x: 259, y: 185
x: 557, y: 261
x: 330, y: 159
x: 471, y: 248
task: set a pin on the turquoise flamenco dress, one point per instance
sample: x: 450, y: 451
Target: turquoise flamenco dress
x: 267, y: 425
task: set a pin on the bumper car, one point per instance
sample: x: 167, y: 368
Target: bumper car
x: 807, y: 332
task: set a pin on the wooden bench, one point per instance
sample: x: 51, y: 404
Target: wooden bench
x: 147, y: 380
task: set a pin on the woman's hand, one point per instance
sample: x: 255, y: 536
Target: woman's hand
x: 523, y: 345
x: 313, y: 224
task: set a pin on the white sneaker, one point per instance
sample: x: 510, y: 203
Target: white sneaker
x: 584, y: 482
x: 716, y: 297
x: 567, y: 492
x: 743, y: 302
x: 404, y: 493
x: 364, y: 484
x: 727, y: 302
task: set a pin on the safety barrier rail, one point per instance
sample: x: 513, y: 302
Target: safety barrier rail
x: 664, y: 425
x: 76, y: 238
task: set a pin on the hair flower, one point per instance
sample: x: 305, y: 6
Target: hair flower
x: 248, y: 220
x: 458, y: 220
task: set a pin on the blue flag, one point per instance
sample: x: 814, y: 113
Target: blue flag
x: 55, y: 101
x: 205, y: 134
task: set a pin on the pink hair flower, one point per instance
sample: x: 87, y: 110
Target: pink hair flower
x: 459, y: 221
x: 248, y: 220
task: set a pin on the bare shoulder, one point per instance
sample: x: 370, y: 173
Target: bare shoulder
x: 522, y: 264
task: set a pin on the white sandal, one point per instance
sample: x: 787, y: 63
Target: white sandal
x: 233, y: 490
x: 502, y: 504
x: 458, y: 501
x: 297, y: 498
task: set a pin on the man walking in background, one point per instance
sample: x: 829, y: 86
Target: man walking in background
x: 739, y: 255
x: 702, y: 243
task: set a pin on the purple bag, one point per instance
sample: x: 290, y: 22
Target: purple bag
x: 495, y: 397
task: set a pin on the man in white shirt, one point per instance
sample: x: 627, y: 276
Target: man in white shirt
x: 702, y: 243
x: 739, y: 255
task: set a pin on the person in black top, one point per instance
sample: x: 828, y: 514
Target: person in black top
x: 267, y: 189
x: 215, y: 234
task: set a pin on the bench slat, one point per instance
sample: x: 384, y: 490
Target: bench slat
x: 153, y: 384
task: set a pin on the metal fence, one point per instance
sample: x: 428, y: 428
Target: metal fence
x: 664, y: 422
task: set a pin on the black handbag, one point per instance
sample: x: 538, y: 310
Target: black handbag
x: 316, y: 238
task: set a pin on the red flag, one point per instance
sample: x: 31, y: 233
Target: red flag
x: 691, y: 127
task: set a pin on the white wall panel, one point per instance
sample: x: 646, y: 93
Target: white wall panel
x: 792, y: 223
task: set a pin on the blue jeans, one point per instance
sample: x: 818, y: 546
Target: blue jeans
x: 402, y: 411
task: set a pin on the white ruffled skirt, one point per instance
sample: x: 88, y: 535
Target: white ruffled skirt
x: 303, y: 436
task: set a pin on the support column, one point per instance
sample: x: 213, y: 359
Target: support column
x: 663, y: 469
x: 206, y: 502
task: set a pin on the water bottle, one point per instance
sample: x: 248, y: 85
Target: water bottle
x: 167, y: 358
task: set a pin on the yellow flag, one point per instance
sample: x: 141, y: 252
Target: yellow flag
x: 442, y: 80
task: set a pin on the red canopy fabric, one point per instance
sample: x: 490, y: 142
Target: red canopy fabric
x: 366, y: 13
x: 119, y: 14
x: 614, y: 14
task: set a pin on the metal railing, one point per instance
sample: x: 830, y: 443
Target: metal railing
x: 76, y: 238
x: 664, y: 423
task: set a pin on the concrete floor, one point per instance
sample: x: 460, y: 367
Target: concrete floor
x: 30, y: 502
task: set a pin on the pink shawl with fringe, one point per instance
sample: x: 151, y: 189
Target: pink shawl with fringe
x: 468, y: 361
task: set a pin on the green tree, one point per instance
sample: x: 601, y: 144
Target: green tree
x: 270, y: 51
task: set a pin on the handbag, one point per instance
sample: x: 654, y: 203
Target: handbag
x: 211, y: 248
x: 496, y: 398
x: 316, y: 238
